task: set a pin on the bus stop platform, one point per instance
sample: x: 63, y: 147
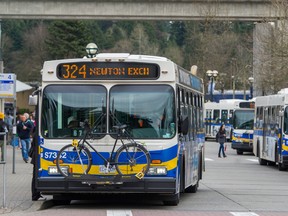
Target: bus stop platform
x: 18, y: 185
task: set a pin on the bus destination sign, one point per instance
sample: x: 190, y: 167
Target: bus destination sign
x: 107, y: 71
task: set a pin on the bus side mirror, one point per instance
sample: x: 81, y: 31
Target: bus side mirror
x: 281, y: 113
x: 33, y: 99
x: 184, y: 125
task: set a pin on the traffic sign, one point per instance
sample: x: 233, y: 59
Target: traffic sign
x: 7, y: 86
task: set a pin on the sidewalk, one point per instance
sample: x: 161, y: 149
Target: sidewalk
x: 18, y: 185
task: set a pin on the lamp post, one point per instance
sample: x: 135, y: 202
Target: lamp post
x: 91, y: 50
x: 233, y: 85
x: 251, y: 80
x: 211, y: 75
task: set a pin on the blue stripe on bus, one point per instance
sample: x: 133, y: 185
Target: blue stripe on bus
x: 163, y: 155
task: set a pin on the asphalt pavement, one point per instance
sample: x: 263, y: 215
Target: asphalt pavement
x: 18, y: 185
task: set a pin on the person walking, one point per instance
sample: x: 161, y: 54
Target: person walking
x: 24, y: 129
x: 221, y: 136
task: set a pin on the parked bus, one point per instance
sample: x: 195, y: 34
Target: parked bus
x: 216, y: 114
x: 161, y: 103
x: 243, y: 121
x: 270, y: 143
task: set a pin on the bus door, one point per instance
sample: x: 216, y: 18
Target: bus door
x: 279, y: 130
x: 265, y: 132
x: 216, y: 122
x: 209, y: 121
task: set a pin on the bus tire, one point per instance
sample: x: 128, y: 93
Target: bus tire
x: 239, y: 152
x: 258, y: 149
x: 271, y: 163
x: 281, y: 167
x: 192, y: 188
x: 58, y: 200
x: 262, y: 161
x: 172, y: 200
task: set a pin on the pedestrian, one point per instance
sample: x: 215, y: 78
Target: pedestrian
x: 24, y: 129
x: 3, y: 128
x: 9, y: 121
x: 221, y: 138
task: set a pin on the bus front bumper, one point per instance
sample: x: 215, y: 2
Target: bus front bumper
x: 52, y: 186
x: 242, y: 146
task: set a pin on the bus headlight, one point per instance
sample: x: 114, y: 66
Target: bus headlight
x: 157, y: 171
x: 52, y: 170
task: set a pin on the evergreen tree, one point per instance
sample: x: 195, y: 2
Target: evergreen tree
x: 68, y: 39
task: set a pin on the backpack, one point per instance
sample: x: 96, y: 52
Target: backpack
x: 217, y: 137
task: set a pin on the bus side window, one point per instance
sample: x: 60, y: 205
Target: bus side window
x: 286, y: 121
x: 231, y: 116
x: 224, y: 116
x: 216, y: 116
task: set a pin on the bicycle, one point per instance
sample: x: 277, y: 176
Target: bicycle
x: 130, y: 159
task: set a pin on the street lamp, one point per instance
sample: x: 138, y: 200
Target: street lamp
x: 251, y: 80
x: 211, y: 75
x: 233, y: 85
x: 91, y: 50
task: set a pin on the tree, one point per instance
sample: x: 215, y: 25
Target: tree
x: 68, y: 39
x: 271, y: 48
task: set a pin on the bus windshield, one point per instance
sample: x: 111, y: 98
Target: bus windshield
x: 148, y: 110
x: 243, y: 119
x: 65, y: 106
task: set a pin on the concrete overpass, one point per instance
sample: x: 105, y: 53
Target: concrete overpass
x: 252, y: 10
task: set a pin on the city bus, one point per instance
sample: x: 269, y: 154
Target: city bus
x: 160, y: 102
x: 216, y: 114
x: 270, y: 142
x: 243, y: 122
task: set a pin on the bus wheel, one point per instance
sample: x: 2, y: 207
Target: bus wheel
x: 281, y: 167
x: 192, y: 188
x: 239, y: 152
x: 271, y: 163
x: 262, y: 161
x: 172, y: 200
x: 61, y: 202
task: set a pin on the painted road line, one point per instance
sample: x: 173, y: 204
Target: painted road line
x: 119, y: 213
x: 244, y: 214
x: 208, y: 159
x: 253, y: 160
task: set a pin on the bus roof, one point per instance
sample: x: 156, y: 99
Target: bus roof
x: 272, y: 100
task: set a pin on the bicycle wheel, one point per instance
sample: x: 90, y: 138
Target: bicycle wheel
x: 77, y: 159
x: 132, y: 159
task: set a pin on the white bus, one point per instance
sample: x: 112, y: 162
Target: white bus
x: 161, y: 103
x: 243, y: 122
x: 216, y: 114
x: 270, y: 142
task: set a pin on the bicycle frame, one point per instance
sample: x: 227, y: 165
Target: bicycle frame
x: 107, y: 161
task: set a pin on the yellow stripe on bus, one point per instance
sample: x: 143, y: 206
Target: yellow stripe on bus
x: 95, y: 169
x: 241, y: 139
x: 284, y: 147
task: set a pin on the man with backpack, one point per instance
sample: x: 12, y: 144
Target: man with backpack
x: 24, y: 130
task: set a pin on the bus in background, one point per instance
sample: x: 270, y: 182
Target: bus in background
x: 216, y: 114
x: 161, y: 103
x: 270, y: 143
x: 243, y: 121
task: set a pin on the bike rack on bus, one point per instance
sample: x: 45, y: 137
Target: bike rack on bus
x: 104, y: 179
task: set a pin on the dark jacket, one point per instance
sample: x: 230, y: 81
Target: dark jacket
x: 24, y: 134
x: 3, y: 128
x: 222, y: 136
